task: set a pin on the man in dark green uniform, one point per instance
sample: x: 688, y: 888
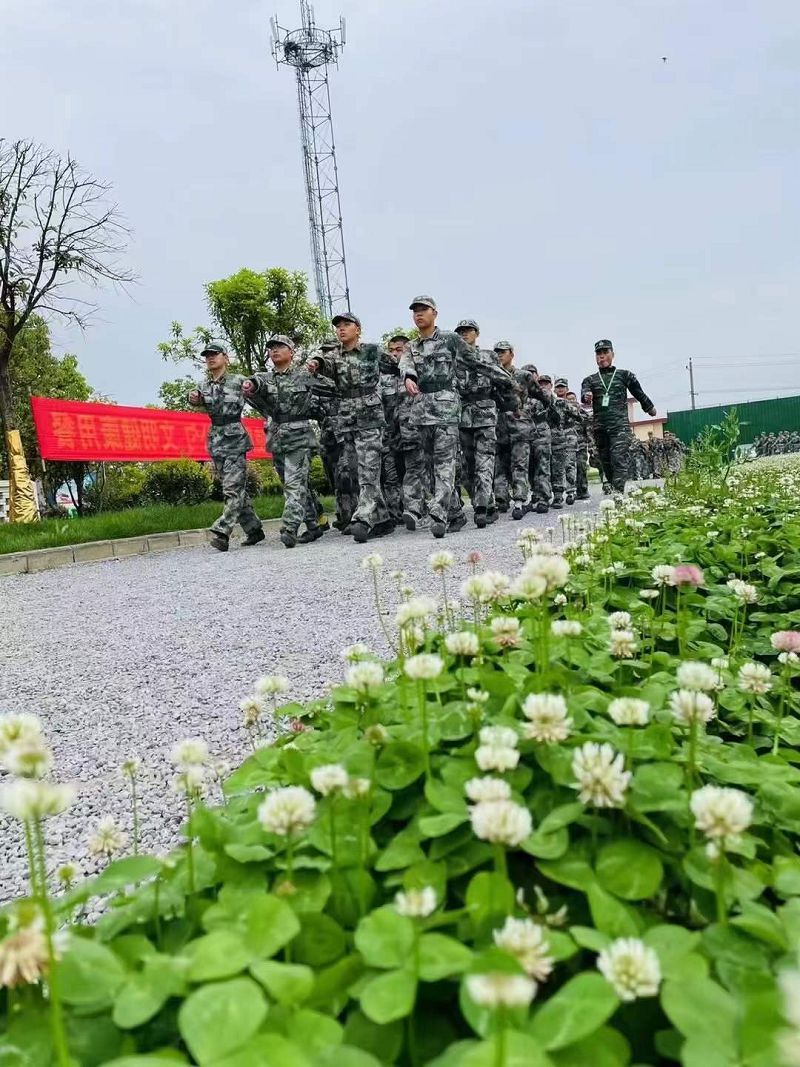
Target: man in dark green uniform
x: 228, y: 443
x: 609, y: 387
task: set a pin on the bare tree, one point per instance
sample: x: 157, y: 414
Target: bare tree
x: 57, y: 227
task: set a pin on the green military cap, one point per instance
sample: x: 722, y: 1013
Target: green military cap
x: 529, y: 368
x: 468, y: 324
x: 503, y: 346
x: 280, y: 339
x: 545, y: 378
x: 328, y: 343
x: 560, y: 382
x: 346, y: 316
x: 602, y: 345
x: 424, y: 302
x: 214, y: 349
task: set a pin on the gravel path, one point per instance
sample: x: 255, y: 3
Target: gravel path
x: 125, y: 657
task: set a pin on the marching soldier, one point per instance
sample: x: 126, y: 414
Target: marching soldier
x: 392, y: 394
x: 571, y: 421
x: 228, y: 443
x: 584, y: 430
x: 478, y: 429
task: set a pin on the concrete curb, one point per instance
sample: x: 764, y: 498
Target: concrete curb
x: 46, y: 559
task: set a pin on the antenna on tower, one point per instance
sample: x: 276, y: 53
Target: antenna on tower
x: 311, y: 51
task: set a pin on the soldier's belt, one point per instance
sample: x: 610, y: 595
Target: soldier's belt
x: 480, y: 394
x: 435, y: 387
x: 289, y: 420
x: 356, y: 394
x: 226, y: 420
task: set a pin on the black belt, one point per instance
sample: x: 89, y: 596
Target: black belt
x: 226, y: 420
x: 481, y: 394
x: 435, y: 387
x: 355, y: 394
x: 288, y: 418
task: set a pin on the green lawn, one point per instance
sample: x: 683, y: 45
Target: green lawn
x: 51, y: 533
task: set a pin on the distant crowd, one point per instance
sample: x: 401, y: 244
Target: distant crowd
x: 776, y: 444
x: 657, y: 456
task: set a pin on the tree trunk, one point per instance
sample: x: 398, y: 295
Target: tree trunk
x: 22, y: 503
x: 8, y: 420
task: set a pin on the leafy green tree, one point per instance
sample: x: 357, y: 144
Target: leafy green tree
x: 172, y: 394
x: 247, y: 309
x: 410, y: 332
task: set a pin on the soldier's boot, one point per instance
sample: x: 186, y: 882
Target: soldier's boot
x: 583, y: 496
x: 606, y: 487
x: 557, y: 503
x: 289, y: 538
x: 381, y: 529
x: 456, y: 523
x: 219, y: 541
x: 491, y: 515
x: 312, y: 533
x: 570, y: 499
x: 502, y: 505
x: 412, y: 521
x: 541, y: 508
x: 360, y: 532
x: 481, y: 518
x: 438, y: 529
x: 255, y: 538
x: 518, y: 510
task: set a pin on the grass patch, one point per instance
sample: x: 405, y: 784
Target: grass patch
x: 161, y: 518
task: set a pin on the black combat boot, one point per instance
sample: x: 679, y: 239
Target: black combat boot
x: 481, y: 518
x: 219, y: 541
x: 312, y: 533
x: 289, y: 538
x: 255, y: 538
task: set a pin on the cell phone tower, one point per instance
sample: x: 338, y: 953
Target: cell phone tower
x: 311, y: 51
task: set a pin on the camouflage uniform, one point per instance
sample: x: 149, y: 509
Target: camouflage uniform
x: 477, y: 433
x: 609, y: 388
x: 361, y: 423
x: 570, y: 421
x: 544, y: 415
x: 435, y: 414
x: 228, y: 444
x: 392, y: 457
x: 582, y: 454
x: 289, y: 399
x: 337, y: 473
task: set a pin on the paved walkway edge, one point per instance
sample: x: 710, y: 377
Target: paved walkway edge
x: 47, y: 559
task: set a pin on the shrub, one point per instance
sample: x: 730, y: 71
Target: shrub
x: 319, y: 479
x: 270, y: 482
x: 118, y: 486
x: 177, y: 481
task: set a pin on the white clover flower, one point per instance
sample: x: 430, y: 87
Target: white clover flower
x: 496, y: 585
x: 504, y: 736
x: 688, y: 706
x: 272, y: 685
x: 622, y: 644
x: 529, y: 536
x: 190, y: 781
x: 416, y: 903
x: 417, y: 609
x: 66, y: 874
x: 376, y: 734
x: 373, y: 562
x: 527, y: 942
x: 424, y: 667
x: 631, y: 967
x: 619, y: 620
x: 628, y: 711
x: 106, y: 838
x: 476, y: 589
x: 602, y: 780
x: 501, y: 821
x: 29, y: 758
x: 287, y: 811
x: 478, y: 696
x: 441, y: 561
x: 496, y: 758
x: 193, y: 751
x: 357, y: 788
x: 788, y: 657
x: 365, y: 677
x: 662, y: 574
x: 130, y: 767
x: 721, y: 813
x: 412, y: 637
x: 329, y: 778
x: 462, y: 643
x: 566, y: 628
x: 506, y: 631
x: 27, y: 799
x: 549, y: 722
x: 553, y: 568
x: 607, y: 505
x: 484, y: 790
x: 697, y: 676
x: 743, y: 591
x: 648, y: 594
x: 24, y: 956
x: 356, y: 653
x: 252, y: 709
x: 755, y: 678
x: 559, y: 600
x: 720, y: 663
x: 17, y: 727
x: 528, y: 587
x: 497, y: 990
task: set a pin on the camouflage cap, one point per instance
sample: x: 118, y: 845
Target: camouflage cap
x: 280, y: 339
x: 561, y: 381
x: 346, y: 316
x: 604, y: 343
x: 545, y: 378
x: 530, y: 368
x: 503, y: 346
x: 328, y: 343
x: 423, y: 301
x: 468, y: 324
x: 214, y: 349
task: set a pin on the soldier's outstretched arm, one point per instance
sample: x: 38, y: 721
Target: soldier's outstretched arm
x: 636, y: 391
x: 195, y: 399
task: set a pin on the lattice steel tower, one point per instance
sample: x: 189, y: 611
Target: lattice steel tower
x: 311, y: 51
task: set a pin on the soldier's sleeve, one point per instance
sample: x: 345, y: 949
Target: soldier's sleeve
x: 473, y: 357
x: 201, y: 403
x: 586, y: 386
x: 632, y: 382
x: 259, y: 381
x: 388, y: 366
x: 407, y: 368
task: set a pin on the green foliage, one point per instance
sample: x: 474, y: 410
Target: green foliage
x: 172, y: 394
x: 117, y: 486
x: 255, y: 481
x: 318, y: 477
x: 711, y: 456
x: 298, y: 950
x: 177, y: 481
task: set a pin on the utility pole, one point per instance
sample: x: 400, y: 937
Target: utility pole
x: 692, y: 393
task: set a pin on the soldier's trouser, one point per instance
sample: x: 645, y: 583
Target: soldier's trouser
x: 328, y: 453
x: 346, y: 483
x: 614, y: 446
x: 300, y: 500
x: 367, y: 447
x: 558, y: 461
x: 392, y: 482
x: 541, y: 486
x: 441, y: 443
x: 478, y: 449
x: 581, y: 471
x: 502, y: 474
x: 570, y: 469
x: 232, y: 474
x: 520, y: 461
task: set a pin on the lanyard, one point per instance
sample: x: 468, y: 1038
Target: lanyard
x: 606, y: 388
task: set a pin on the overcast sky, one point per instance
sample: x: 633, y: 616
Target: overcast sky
x: 535, y: 165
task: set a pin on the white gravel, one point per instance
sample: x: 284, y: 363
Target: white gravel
x: 123, y: 658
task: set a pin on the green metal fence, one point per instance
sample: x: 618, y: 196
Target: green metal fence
x: 755, y: 417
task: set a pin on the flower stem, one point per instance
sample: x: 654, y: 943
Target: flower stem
x: 334, y: 862
x: 381, y: 619
x: 500, y: 865
x: 135, y: 805
x: 33, y: 876
x: 719, y: 886
x: 189, y: 848
x: 56, y: 1015
x: 781, y: 708
x: 500, y: 1040
x: 423, y: 713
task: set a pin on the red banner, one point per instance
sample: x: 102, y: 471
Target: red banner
x: 70, y: 430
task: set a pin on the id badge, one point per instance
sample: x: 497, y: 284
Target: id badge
x: 604, y: 402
